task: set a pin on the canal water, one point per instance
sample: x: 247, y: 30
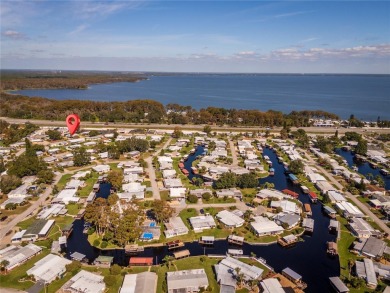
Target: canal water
x: 308, y: 258
x: 364, y: 168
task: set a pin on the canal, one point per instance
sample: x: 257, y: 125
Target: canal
x: 308, y: 258
x: 364, y: 168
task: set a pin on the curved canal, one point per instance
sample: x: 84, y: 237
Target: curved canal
x: 308, y: 258
x: 364, y: 168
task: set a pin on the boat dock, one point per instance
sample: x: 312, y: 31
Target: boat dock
x: 175, y: 244
x: 307, y: 209
x: 288, y: 240
x: 207, y: 240
x: 133, y: 249
x: 308, y: 225
x: 236, y: 240
x: 181, y: 254
x: 235, y: 252
x: 331, y: 248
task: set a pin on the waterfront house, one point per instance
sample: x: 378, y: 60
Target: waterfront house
x: 348, y: 210
x: 200, y: 223
x: 371, y: 247
x: 85, y: 282
x: 175, y: 227
x: 335, y: 196
x: 287, y: 206
x: 329, y: 212
x: 361, y: 229
x: 66, y: 196
x: 250, y: 272
x: 287, y: 220
x: 187, y: 281
x: 365, y: 269
x: 229, y: 219
x: 38, y: 229
x: 263, y: 226
x: 17, y: 255
x: 49, y: 268
x: 145, y: 282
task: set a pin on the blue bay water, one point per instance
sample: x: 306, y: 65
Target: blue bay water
x: 365, y: 96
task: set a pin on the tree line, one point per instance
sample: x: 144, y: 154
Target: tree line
x: 58, y: 80
x: 149, y: 111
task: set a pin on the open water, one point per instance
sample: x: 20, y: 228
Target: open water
x: 365, y: 96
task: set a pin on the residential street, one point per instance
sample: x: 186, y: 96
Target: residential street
x: 358, y: 203
x: 151, y: 171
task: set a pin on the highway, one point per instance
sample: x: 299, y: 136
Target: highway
x: 323, y: 130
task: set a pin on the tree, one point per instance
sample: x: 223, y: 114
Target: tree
x: 207, y: 129
x: 247, y: 180
x: 73, y: 267
x: 248, y: 215
x: 3, y: 264
x: 357, y: 282
x: 109, y: 280
x: 379, y: 179
x: 115, y: 269
x: 192, y: 198
x: 283, y: 133
x: 115, y: 178
x: 9, y: 182
x: 296, y: 166
x: 227, y: 180
x: 53, y: 134
x: 167, y: 260
x: 45, y: 176
x: 81, y: 157
x: 2, y: 165
x: 361, y: 147
x: 177, y: 132
x: 206, y: 196
x: 161, y: 210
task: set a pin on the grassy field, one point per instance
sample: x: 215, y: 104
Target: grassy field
x: 64, y: 179
x: 11, y: 280
x: 197, y: 262
x: 86, y: 190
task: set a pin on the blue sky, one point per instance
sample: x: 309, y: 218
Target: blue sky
x: 197, y: 36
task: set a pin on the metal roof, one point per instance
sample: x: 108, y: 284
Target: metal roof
x: 292, y: 273
x: 338, y: 284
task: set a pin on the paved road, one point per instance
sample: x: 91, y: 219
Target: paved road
x: 193, y: 127
x: 152, y: 172
x: 234, y: 153
x: 34, y: 207
x: 358, y: 203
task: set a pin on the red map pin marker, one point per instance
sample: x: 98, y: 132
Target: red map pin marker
x: 73, y: 122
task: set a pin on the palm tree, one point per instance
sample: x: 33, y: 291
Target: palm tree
x: 253, y: 284
x: 351, y: 263
x: 167, y: 260
x: 3, y: 265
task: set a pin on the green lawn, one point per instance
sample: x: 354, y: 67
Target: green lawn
x: 11, y: 280
x: 164, y: 194
x: 220, y: 200
x: 197, y: 262
x: 86, y: 190
x: 64, y: 179
x: 73, y: 208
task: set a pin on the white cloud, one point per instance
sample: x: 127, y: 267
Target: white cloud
x: 78, y: 29
x: 90, y: 9
x: 15, y: 35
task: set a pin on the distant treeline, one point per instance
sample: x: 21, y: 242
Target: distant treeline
x: 51, y: 80
x: 149, y: 111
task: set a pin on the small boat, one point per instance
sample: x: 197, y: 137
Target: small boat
x: 384, y: 172
x: 185, y: 157
x: 355, y: 168
x: 305, y: 189
x: 293, y: 178
x: 271, y: 172
x: 192, y: 151
x: 175, y: 244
